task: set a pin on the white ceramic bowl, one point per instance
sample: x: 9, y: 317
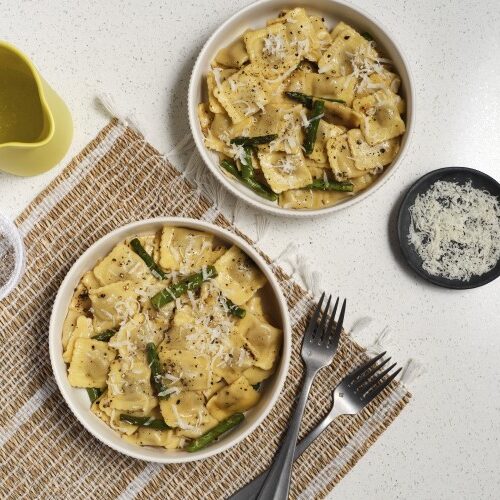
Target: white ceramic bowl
x: 255, y: 16
x: 78, y: 400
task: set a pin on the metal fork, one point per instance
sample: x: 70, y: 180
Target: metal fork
x: 320, y: 342
x: 350, y: 396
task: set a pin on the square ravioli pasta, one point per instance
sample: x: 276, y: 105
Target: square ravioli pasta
x: 279, y: 95
x: 169, y: 335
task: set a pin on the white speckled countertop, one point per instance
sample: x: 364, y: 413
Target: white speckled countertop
x: 446, y: 443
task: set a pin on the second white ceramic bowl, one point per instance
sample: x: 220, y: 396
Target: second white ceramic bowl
x: 78, y: 400
x: 255, y: 16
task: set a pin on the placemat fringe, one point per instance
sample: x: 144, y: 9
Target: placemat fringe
x: 107, y: 102
x: 262, y: 225
x: 412, y: 371
x: 382, y: 342
x: 238, y: 209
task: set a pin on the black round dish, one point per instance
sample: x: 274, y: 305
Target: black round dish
x: 459, y: 175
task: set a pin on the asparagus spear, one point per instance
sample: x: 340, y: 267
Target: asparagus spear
x: 153, y: 266
x: 190, y: 283
x: 230, y: 166
x: 304, y: 99
x: 210, y: 436
x: 367, y: 36
x: 253, y: 141
x: 312, y: 128
x: 104, y: 336
x: 94, y: 393
x: 252, y: 184
x: 151, y: 423
x: 320, y: 184
x: 246, y: 166
x: 156, y: 371
x: 234, y: 309
x: 307, y: 100
x: 260, y: 189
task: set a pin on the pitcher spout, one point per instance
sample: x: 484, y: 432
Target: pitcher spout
x: 35, y: 125
x: 25, y: 117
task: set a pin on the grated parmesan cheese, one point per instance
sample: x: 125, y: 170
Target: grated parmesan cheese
x: 233, y: 85
x: 290, y: 144
x: 274, y: 45
x: 364, y: 65
x: 169, y: 391
x: 217, y: 72
x: 455, y: 229
x: 210, y: 332
x: 286, y: 165
x: 306, y: 121
x: 302, y: 46
x: 181, y: 423
x: 125, y: 309
x: 282, y: 77
x: 224, y: 137
x: 249, y: 108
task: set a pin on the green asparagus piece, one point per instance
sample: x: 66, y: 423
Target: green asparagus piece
x: 210, y: 436
x: 252, y: 184
x: 367, y: 36
x: 94, y: 393
x: 246, y: 166
x: 104, y: 336
x: 312, y: 128
x: 253, y: 141
x: 304, y: 99
x: 151, y: 423
x: 322, y: 185
x: 148, y: 260
x: 260, y: 189
x: 234, y: 309
x: 190, y: 283
x: 230, y: 167
x: 156, y: 371
x: 307, y: 100
x: 256, y: 386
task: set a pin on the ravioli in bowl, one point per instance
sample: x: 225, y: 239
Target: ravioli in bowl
x: 170, y: 335
x: 302, y: 113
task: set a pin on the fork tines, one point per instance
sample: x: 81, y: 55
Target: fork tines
x: 322, y: 327
x: 369, y: 380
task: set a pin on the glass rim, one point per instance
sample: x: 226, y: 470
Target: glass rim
x: 10, y: 231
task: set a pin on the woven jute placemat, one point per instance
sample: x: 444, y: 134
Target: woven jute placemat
x: 45, y: 452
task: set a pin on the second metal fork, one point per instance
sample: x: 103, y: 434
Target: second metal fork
x: 320, y: 342
x: 355, y: 391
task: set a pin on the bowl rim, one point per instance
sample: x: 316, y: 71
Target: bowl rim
x: 239, y: 192
x: 71, y: 279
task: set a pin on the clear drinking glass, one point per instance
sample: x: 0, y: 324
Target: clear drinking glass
x: 12, y: 256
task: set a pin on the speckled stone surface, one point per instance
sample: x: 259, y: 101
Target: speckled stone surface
x: 446, y: 444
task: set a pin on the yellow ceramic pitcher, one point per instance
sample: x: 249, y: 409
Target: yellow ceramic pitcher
x: 35, y: 125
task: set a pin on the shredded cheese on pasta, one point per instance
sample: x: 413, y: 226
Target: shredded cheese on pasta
x: 274, y: 45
